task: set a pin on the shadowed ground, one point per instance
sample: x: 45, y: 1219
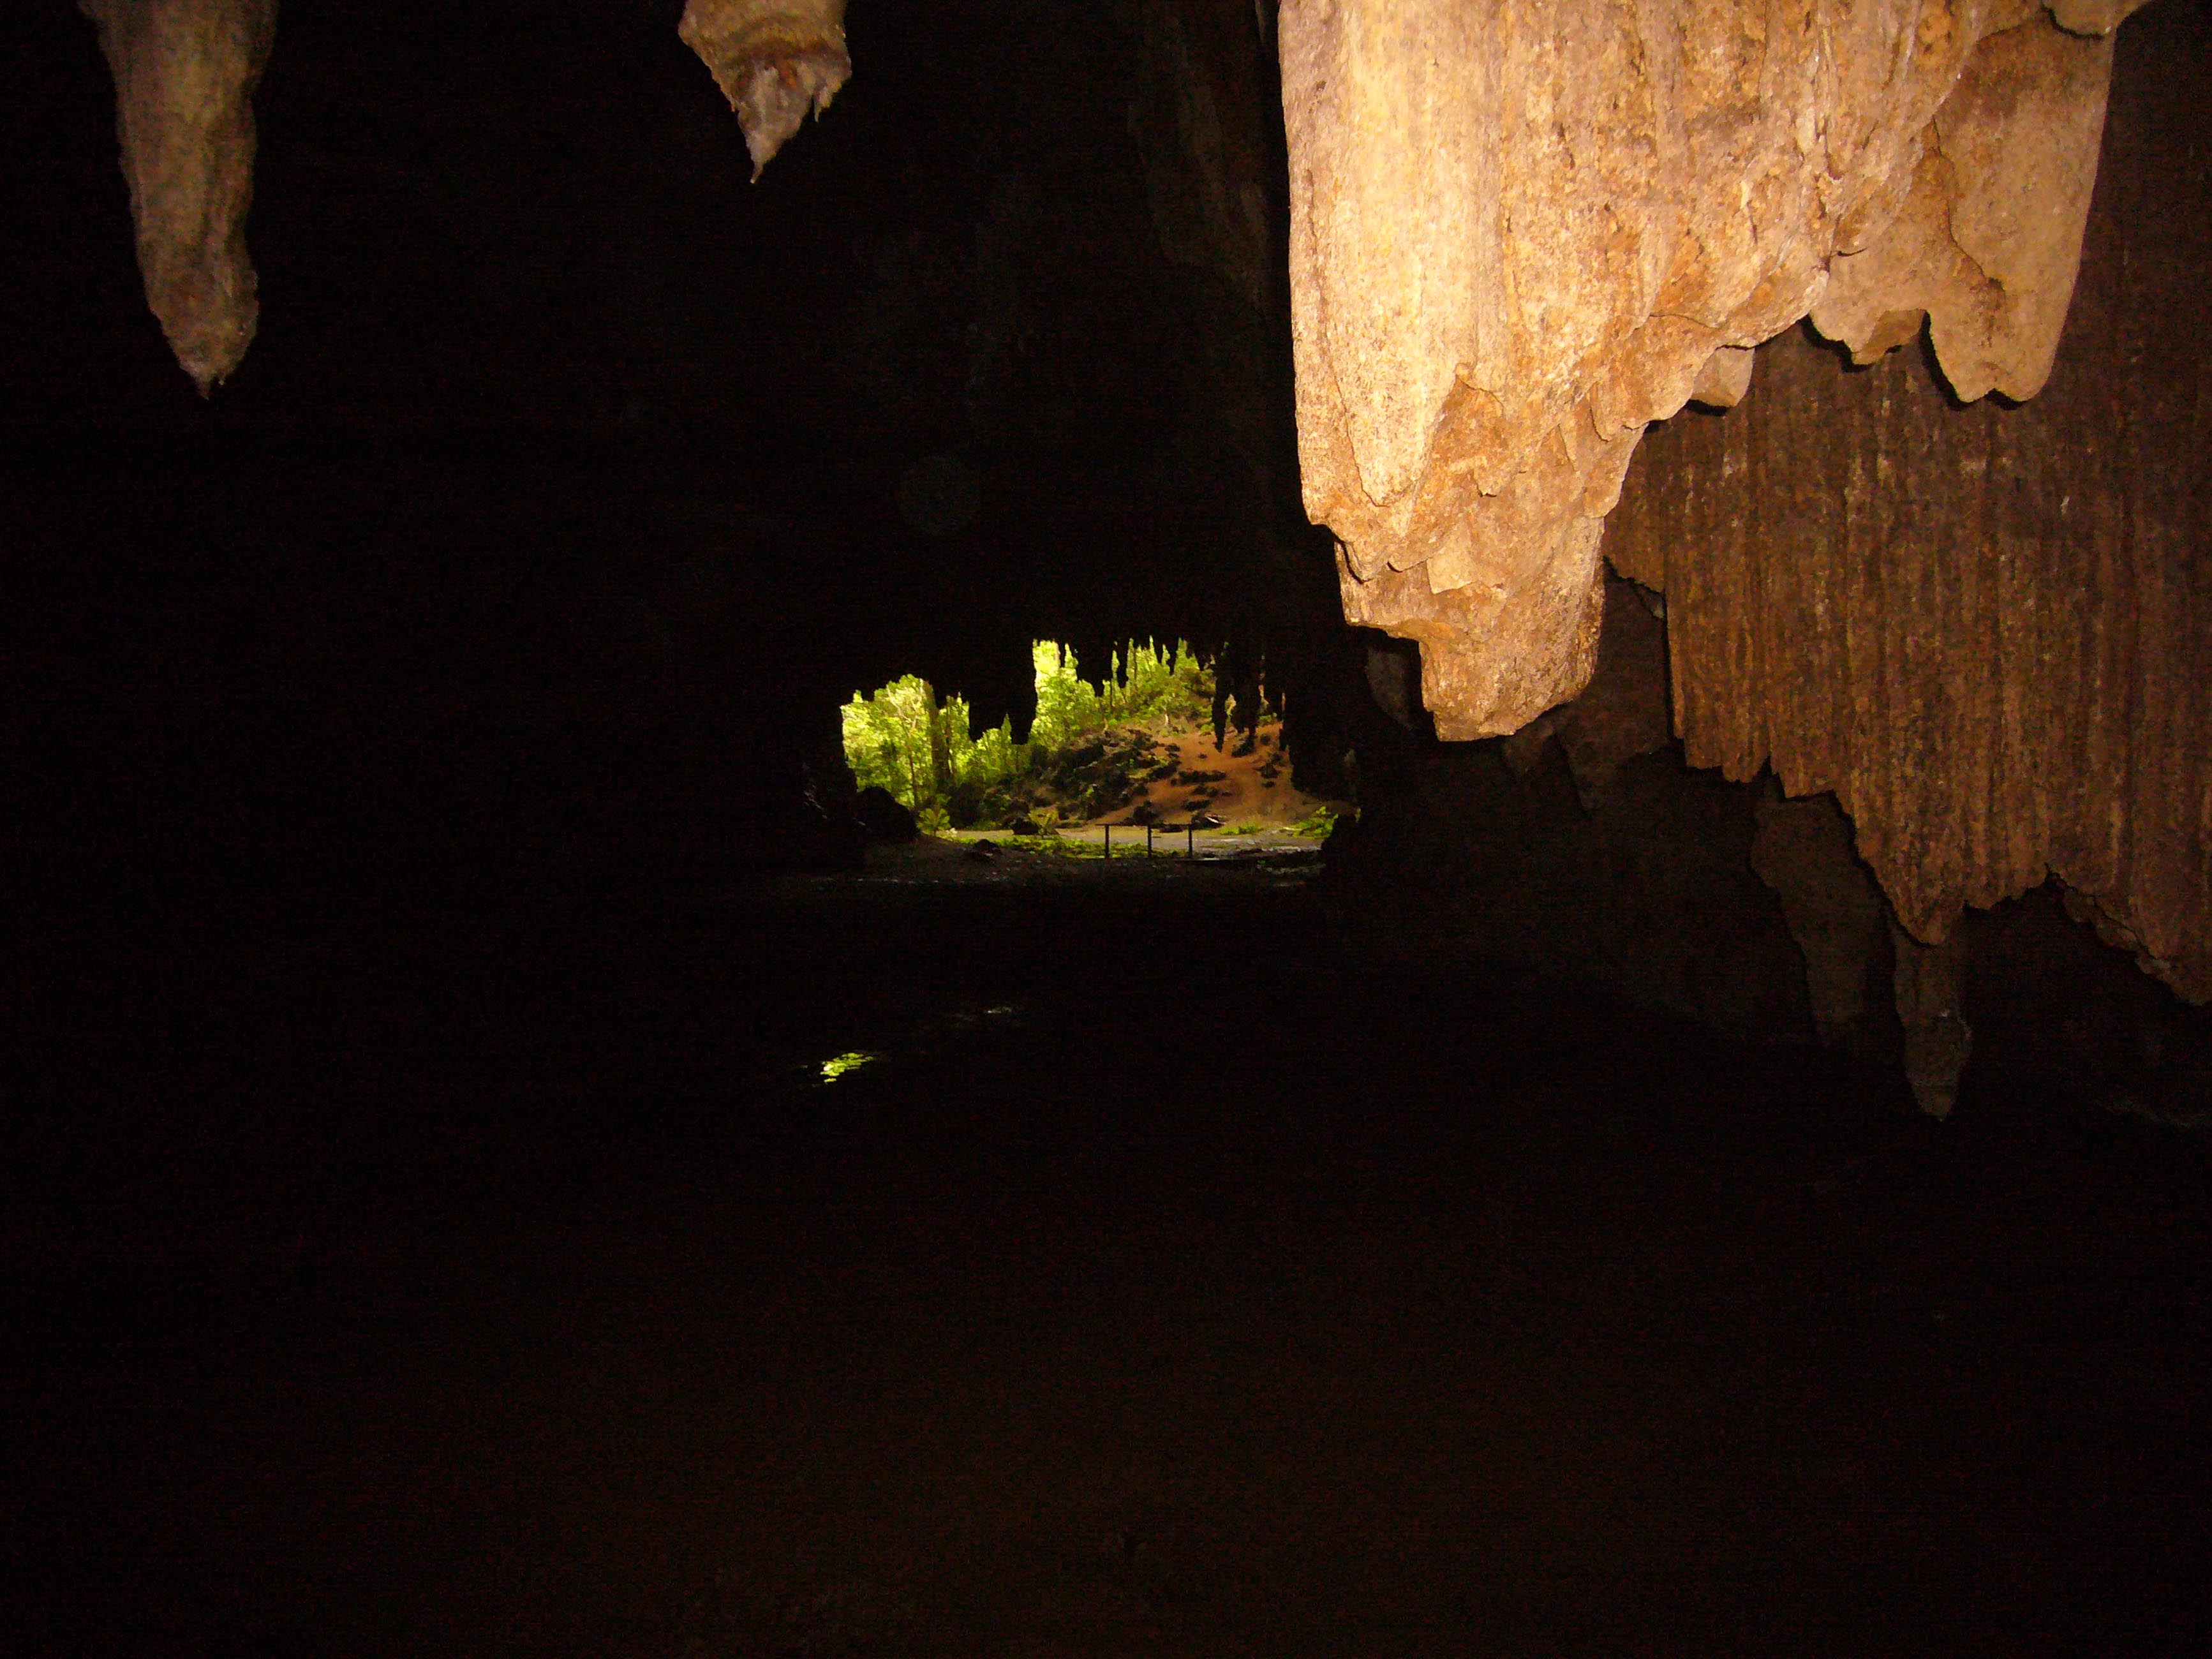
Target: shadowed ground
x: 505, y: 1279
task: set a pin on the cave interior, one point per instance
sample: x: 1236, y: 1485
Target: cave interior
x: 1713, y: 1156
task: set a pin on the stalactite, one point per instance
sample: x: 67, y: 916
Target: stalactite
x: 776, y: 61
x: 185, y: 73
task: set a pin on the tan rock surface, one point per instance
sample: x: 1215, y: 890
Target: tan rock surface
x: 185, y: 73
x: 1990, y: 235
x: 1519, y: 234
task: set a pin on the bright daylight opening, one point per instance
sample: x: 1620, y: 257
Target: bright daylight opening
x: 1148, y: 745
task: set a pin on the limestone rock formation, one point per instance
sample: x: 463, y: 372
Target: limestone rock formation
x: 1986, y: 243
x: 1986, y: 629
x: 1520, y: 234
x: 776, y: 61
x: 184, y: 72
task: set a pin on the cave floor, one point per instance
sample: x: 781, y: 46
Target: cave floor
x: 505, y: 1278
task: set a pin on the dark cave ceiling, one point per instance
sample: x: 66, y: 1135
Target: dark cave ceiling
x: 941, y: 330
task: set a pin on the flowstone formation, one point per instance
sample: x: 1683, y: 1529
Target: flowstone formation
x: 776, y: 61
x: 1986, y: 629
x: 184, y: 72
x: 1519, y: 234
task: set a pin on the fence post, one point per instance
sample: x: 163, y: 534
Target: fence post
x: 1148, y: 840
x: 1190, y: 838
x: 1108, y: 850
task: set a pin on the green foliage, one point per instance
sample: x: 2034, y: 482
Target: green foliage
x: 1318, y: 823
x: 888, y: 739
x: 1146, y: 684
x: 1161, y: 685
x: 1081, y: 760
x: 1066, y: 705
x: 927, y: 753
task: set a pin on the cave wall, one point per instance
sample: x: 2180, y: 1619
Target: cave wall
x: 1970, y: 642
x: 1519, y: 238
x: 1986, y: 629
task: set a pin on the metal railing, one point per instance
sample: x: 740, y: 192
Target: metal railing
x: 1190, y: 839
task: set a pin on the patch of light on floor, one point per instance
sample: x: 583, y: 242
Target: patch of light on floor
x: 837, y: 1065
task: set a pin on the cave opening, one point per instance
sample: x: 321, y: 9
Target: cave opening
x: 1159, y: 743
x: 1651, y: 1096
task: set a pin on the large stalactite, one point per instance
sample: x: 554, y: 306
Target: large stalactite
x: 1520, y: 234
x: 184, y: 72
x: 1987, y: 629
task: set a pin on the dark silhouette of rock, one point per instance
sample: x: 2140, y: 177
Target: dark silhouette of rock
x: 882, y: 817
